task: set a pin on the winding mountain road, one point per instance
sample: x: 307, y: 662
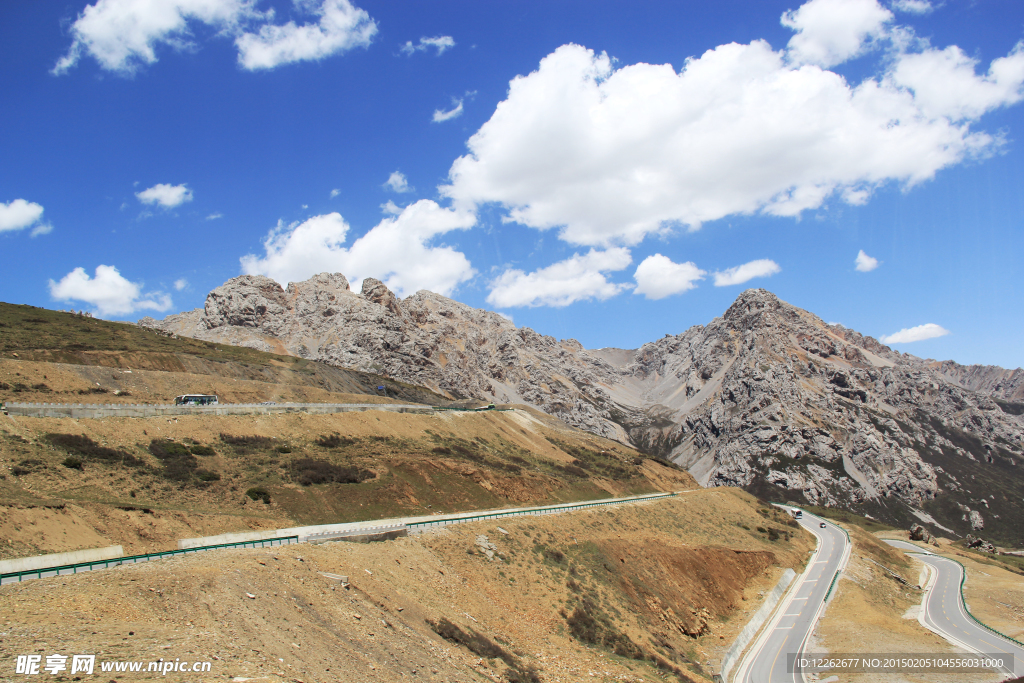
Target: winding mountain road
x: 767, y: 660
x: 943, y: 610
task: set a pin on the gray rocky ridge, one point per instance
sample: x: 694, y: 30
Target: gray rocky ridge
x: 766, y: 397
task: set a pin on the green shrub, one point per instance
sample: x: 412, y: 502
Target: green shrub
x: 207, y: 475
x: 72, y: 463
x: 283, y: 449
x: 200, y: 449
x: 259, y: 493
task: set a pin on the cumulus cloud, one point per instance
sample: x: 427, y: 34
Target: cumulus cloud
x: 913, y: 334
x: 865, y: 263
x: 341, y: 27
x: 577, y: 278
x: 829, y: 32
x: 167, y: 196
x: 748, y: 271
x: 123, y: 35
x: 19, y: 214
x: 109, y: 292
x: 398, y: 182
x: 398, y: 251
x: 180, y: 284
x: 912, y: 6
x: 658, y: 277
x: 945, y: 84
x: 439, y: 43
x: 453, y: 113
x: 41, y: 229
x: 609, y: 154
x: 335, y: 192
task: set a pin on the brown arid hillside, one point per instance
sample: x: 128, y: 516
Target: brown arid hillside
x: 145, y: 482
x: 642, y: 592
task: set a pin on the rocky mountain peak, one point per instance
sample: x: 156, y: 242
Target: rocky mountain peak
x: 376, y: 291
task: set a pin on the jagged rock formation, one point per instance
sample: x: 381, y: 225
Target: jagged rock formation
x: 767, y: 397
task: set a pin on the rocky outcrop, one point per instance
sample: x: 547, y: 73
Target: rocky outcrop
x: 767, y: 397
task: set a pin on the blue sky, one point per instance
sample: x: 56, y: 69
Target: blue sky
x: 606, y: 171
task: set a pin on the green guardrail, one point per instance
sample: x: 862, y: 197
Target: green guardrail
x: 63, y: 570
x: 963, y: 601
x: 568, y: 507
x: 835, y: 579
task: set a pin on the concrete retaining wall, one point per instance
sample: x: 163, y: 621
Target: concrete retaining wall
x: 27, y: 564
x: 98, y: 410
x: 755, y: 623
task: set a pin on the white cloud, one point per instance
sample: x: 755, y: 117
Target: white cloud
x: 397, y: 250
x: 748, y: 271
x: 335, y: 192
x: 912, y: 6
x: 391, y: 208
x: 608, y: 155
x: 167, y: 196
x: 913, y: 334
x: 865, y: 263
x: 123, y: 35
x: 658, y: 277
x: 180, y: 284
x: 19, y: 214
x: 341, y: 27
x: 453, y: 113
x: 398, y: 182
x: 945, y: 84
x: 829, y: 32
x: 439, y: 43
x: 41, y: 229
x: 108, y: 291
x: 577, y: 278
x: 214, y: 216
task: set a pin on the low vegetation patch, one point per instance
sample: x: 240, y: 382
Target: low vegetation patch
x: 85, y: 449
x: 589, y: 626
x: 309, y: 471
x: 244, y: 445
x: 179, y: 463
x: 334, y: 441
x: 482, y: 646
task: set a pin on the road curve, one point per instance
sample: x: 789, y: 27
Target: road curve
x: 943, y: 610
x: 786, y: 633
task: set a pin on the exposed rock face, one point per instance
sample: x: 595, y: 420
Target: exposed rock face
x: 767, y: 397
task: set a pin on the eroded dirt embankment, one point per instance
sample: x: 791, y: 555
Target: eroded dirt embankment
x: 667, y: 582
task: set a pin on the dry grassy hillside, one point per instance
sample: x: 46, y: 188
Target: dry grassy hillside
x: 635, y: 593
x: 145, y: 482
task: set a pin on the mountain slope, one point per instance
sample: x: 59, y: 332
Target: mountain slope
x: 768, y: 397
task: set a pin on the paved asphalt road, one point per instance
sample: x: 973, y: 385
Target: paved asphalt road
x: 786, y: 633
x: 944, y: 611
